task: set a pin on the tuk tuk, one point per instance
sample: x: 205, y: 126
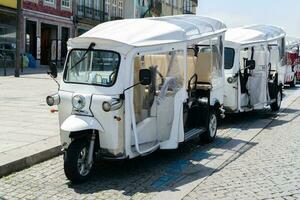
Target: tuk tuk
x: 292, y: 74
x: 254, y: 68
x: 134, y: 86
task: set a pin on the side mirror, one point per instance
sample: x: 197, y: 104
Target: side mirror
x: 52, y: 70
x: 145, y: 77
x: 250, y: 64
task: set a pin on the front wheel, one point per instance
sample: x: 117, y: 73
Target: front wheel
x: 76, y: 166
x: 211, y: 128
x: 275, y: 106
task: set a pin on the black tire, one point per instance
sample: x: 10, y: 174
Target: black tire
x: 276, y: 105
x: 71, y: 161
x: 211, y: 129
x: 293, y: 82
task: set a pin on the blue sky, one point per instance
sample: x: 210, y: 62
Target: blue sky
x: 283, y: 13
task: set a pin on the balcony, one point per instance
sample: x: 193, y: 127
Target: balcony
x: 90, y: 13
x: 188, y: 12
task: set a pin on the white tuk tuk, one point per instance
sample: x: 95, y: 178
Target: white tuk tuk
x: 254, y: 70
x: 133, y: 86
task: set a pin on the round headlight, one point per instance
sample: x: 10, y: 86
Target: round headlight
x: 230, y: 80
x: 106, y: 106
x: 78, y: 102
x: 50, y: 100
x: 53, y: 100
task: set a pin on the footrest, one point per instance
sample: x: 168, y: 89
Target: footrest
x: 193, y: 132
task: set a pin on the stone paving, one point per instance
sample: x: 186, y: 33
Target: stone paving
x: 27, y: 126
x: 267, y: 163
x: 270, y: 170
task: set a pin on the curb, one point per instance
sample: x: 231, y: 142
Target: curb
x: 14, y: 161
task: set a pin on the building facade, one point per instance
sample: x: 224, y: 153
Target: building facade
x: 89, y: 13
x: 155, y: 8
x: 8, y: 21
x: 47, y: 26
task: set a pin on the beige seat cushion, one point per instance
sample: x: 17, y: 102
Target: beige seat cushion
x: 204, y: 67
x: 138, y: 91
x: 191, y: 64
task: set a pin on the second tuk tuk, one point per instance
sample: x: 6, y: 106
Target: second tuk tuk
x: 254, y: 68
x: 133, y: 86
x: 292, y: 74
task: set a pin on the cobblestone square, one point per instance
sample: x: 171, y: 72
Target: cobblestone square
x: 256, y: 156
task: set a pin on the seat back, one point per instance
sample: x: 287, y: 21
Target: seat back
x: 204, y: 67
x: 138, y: 91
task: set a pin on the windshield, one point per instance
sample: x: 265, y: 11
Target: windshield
x: 229, y: 58
x: 95, y: 67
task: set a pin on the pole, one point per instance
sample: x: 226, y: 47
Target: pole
x: 172, y: 11
x: 18, y: 39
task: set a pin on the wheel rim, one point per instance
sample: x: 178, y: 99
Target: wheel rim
x: 213, y: 125
x: 279, y: 99
x: 82, y: 162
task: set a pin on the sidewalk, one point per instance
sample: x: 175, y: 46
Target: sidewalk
x: 29, y: 133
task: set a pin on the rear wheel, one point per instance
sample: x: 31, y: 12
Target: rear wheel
x: 76, y: 165
x: 211, y: 128
x: 275, y: 106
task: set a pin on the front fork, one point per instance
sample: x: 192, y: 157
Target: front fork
x: 91, y: 149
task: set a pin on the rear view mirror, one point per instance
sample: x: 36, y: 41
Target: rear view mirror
x: 145, y: 76
x: 250, y: 64
x: 52, y: 70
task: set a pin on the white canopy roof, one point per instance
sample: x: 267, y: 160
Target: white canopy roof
x: 292, y: 42
x: 152, y: 31
x: 254, y: 34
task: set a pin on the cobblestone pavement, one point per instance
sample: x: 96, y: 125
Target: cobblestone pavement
x: 269, y: 164
x: 270, y: 170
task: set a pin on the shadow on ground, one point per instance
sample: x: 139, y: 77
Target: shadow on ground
x: 160, y: 171
x: 166, y: 170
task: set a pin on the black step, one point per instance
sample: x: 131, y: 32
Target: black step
x: 193, y: 132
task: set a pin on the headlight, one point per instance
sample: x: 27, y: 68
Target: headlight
x: 106, y: 106
x: 78, y: 102
x: 53, y: 100
x: 230, y: 80
x: 114, y: 104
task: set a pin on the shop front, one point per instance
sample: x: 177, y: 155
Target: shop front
x: 8, y: 21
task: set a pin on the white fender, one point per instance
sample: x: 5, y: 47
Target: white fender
x: 80, y: 123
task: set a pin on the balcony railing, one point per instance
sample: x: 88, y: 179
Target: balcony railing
x: 188, y: 12
x: 90, y: 13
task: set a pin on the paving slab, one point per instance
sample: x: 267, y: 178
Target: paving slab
x: 29, y: 132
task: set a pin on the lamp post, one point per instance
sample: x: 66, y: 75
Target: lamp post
x: 18, y: 39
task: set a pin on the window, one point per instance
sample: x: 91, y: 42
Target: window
x: 107, y: 4
x: 114, y: 8
x: 89, y: 8
x: 229, y: 58
x: 97, y: 9
x: 65, y: 3
x: 95, y: 67
x: 120, y: 9
x: 167, y: 79
x: 49, y: 1
x: 80, y: 7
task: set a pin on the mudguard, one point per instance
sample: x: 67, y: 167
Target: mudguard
x: 76, y: 123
